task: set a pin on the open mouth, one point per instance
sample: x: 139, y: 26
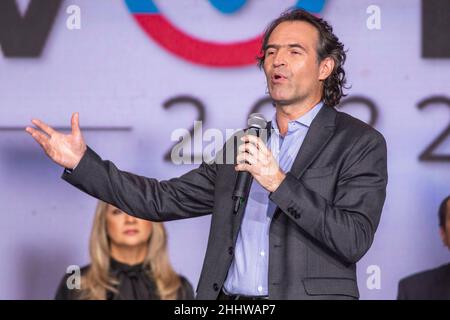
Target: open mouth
x: 277, y: 77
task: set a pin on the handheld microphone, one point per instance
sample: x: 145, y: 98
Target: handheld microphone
x: 256, y: 122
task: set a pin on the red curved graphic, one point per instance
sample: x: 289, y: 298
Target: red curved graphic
x: 197, y: 51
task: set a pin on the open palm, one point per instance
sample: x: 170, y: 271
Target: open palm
x: 64, y: 149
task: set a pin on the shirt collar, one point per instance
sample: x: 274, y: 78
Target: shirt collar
x: 304, y: 120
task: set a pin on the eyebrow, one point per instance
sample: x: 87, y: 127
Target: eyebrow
x: 291, y: 45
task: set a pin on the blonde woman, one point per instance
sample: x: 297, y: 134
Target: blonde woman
x: 129, y: 261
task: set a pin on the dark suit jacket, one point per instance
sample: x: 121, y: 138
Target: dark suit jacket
x: 329, y: 207
x: 427, y: 285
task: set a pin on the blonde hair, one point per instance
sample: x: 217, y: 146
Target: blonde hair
x: 97, y: 280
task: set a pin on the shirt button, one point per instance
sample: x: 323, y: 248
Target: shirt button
x: 259, y: 289
x: 262, y: 253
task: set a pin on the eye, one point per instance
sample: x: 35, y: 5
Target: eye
x: 116, y: 212
x: 270, y: 52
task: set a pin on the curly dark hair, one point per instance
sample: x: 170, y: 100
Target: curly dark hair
x: 328, y: 46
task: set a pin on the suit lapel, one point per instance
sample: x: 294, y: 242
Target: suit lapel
x: 319, y: 133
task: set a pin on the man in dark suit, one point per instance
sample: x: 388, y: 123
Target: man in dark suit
x: 431, y: 284
x: 315, y: 201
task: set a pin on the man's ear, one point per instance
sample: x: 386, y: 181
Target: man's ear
x: 326, y: 68
x: 443, y: 235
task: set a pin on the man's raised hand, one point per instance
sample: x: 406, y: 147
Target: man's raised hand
x: 64, y: 149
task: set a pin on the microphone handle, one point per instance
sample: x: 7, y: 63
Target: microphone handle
x: 241, y: 188
x: 244, y: 180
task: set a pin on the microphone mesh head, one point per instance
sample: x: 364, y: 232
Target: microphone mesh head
x: 257, y: 120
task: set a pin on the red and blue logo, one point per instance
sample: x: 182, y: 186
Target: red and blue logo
x: 198, y: 51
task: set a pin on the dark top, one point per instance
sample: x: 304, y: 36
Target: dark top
x: 134, y: 284
x: 427, y: 285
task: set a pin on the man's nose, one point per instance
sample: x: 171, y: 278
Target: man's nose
x: 279, y: 59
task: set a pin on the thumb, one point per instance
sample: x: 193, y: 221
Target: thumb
x: 75, y: 124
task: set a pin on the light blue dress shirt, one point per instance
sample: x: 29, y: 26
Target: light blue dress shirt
x: 248, y: 273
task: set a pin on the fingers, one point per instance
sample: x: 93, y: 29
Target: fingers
x: 253, y: 153
x: 40, y: 138
x: 243, y: 167
x: 248, y: 147
x: 255, y: 141
x: 44, y: 127
x: 245, y: 157
x: 255, y: 147
x: 75, y: 123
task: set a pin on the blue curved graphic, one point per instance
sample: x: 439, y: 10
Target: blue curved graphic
x: 228, y: 6
x: 142, y: 6
x: 312, y: 6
